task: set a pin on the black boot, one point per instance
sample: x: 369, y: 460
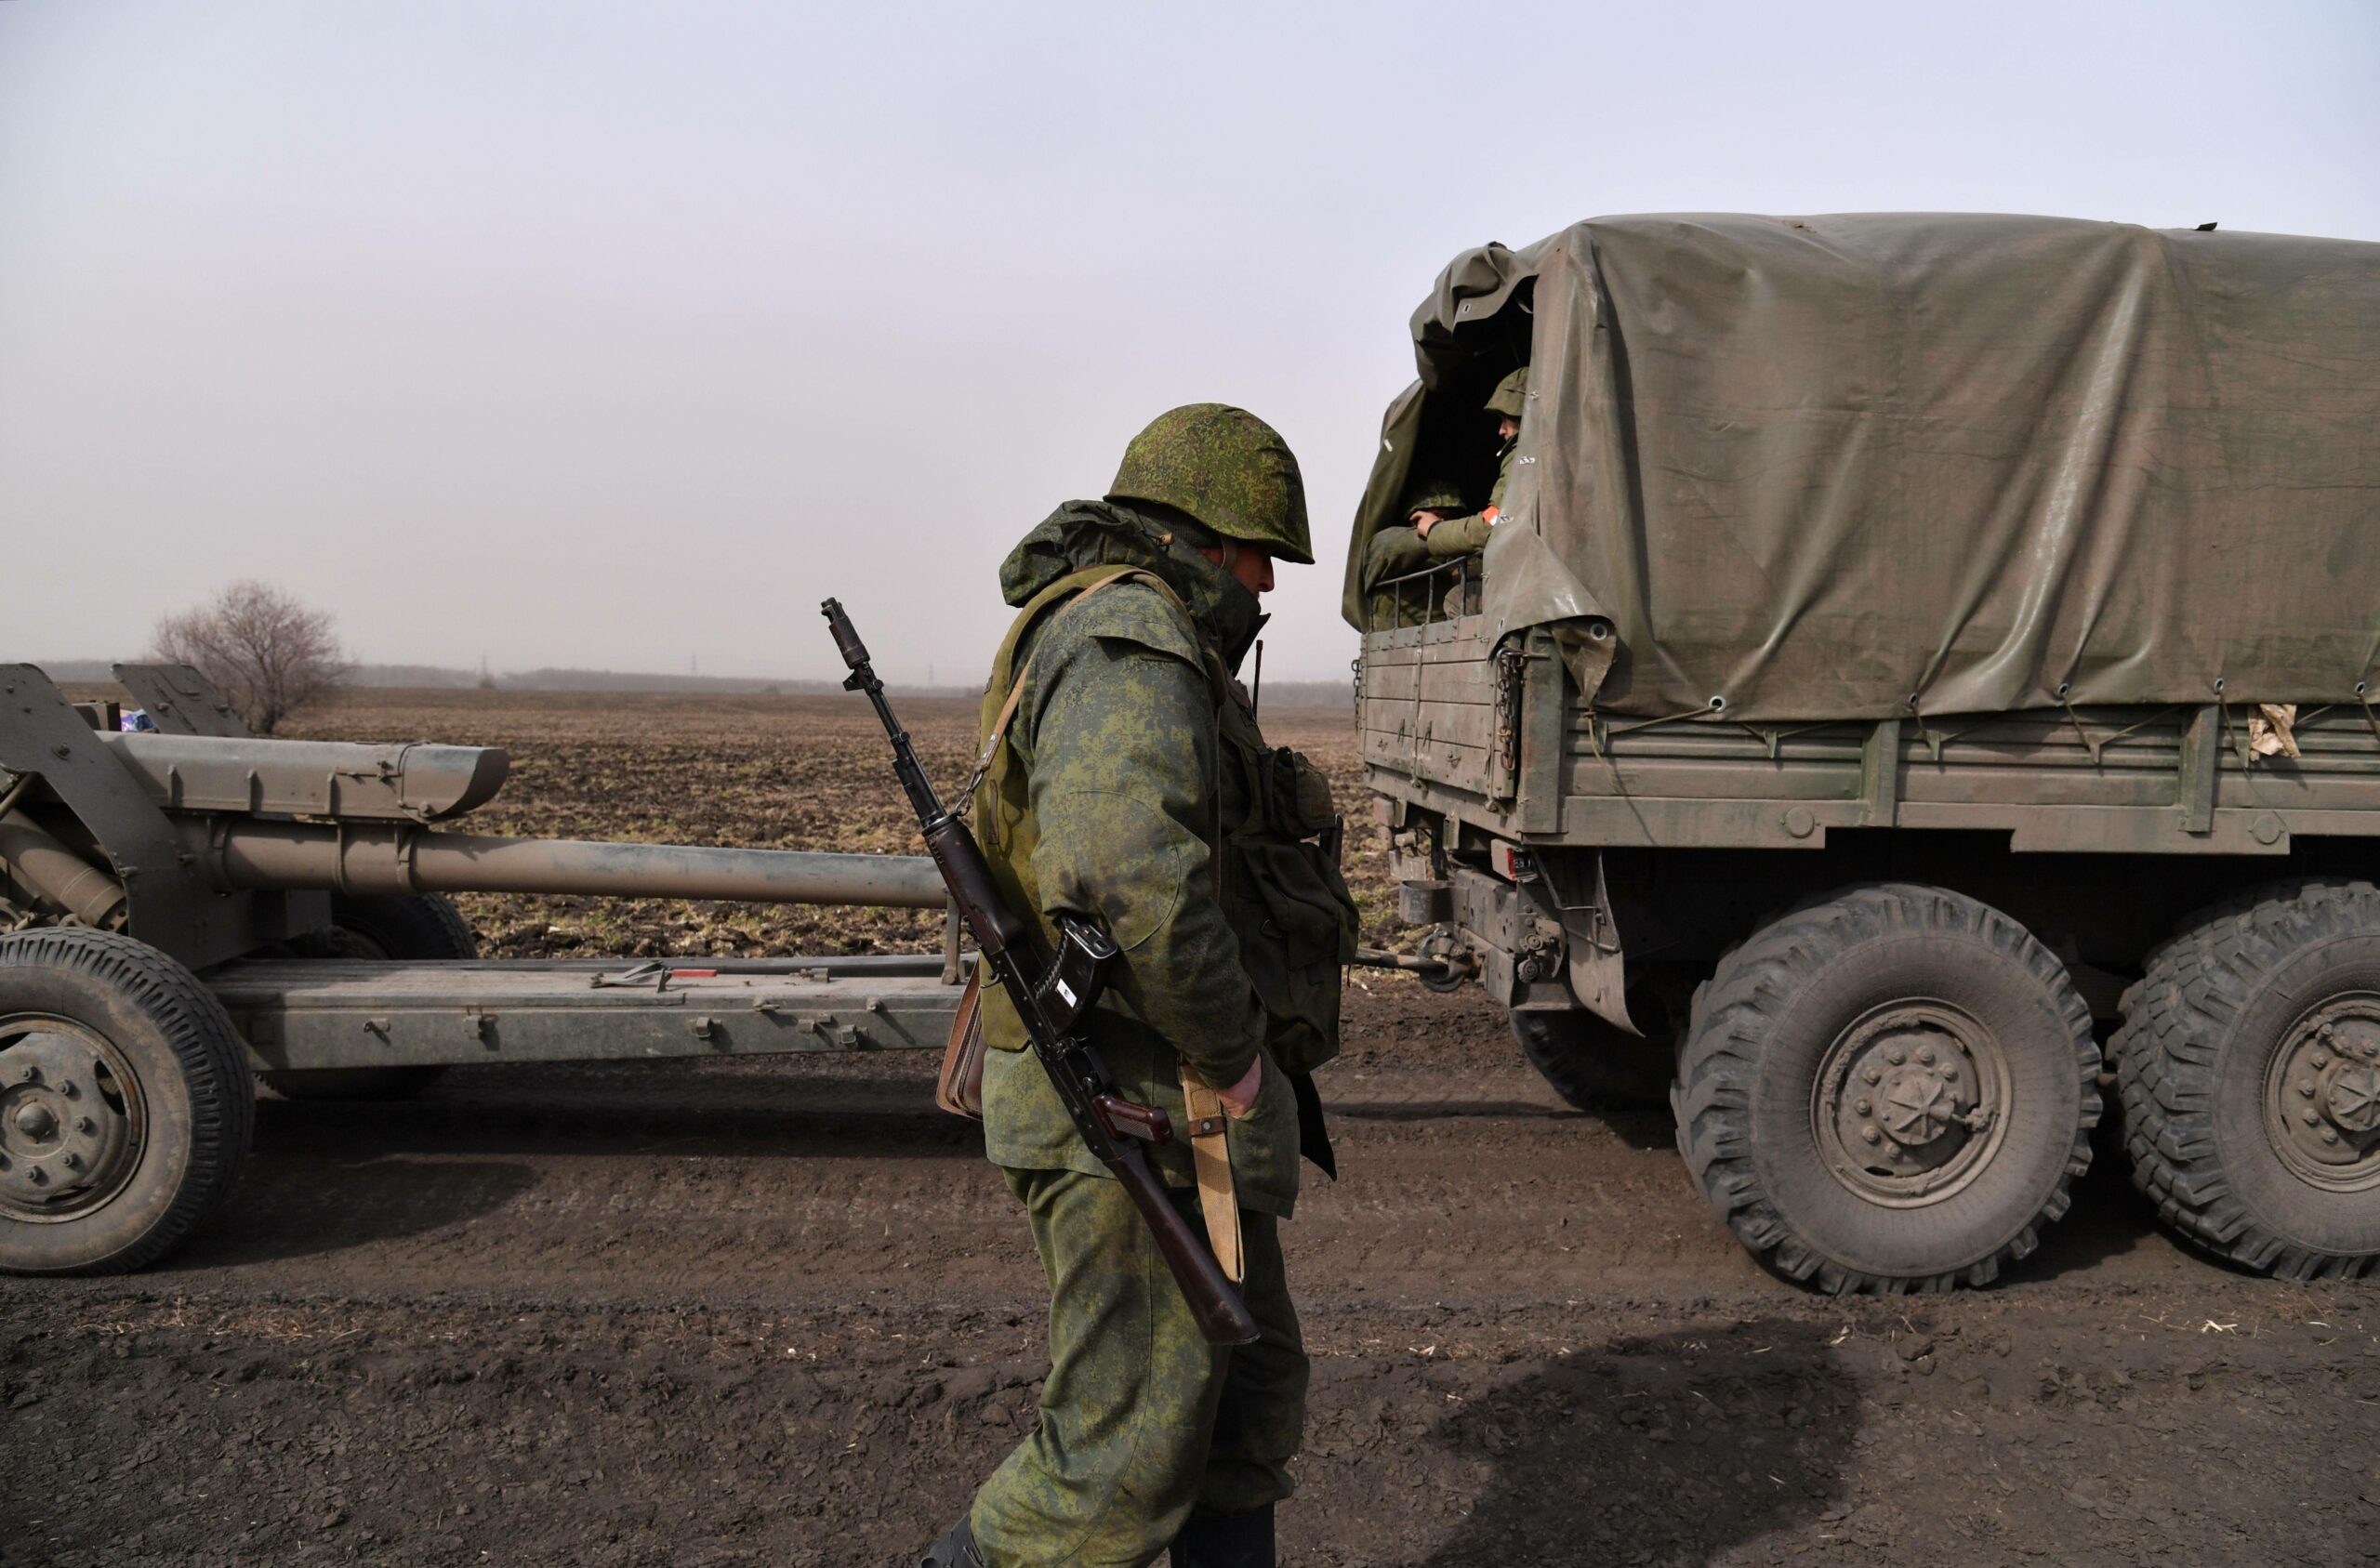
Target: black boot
x: 1230, y: 1540
x: 957, y: 1548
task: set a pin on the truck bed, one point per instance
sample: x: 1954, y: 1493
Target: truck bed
x: 1508, y: 748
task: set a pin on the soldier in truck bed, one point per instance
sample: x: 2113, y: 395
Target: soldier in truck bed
x: 1432, y: 536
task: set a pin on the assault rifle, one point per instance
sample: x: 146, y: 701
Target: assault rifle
x: 1054, y: 993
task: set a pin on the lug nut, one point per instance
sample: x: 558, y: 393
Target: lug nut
x: 2310, y: 1117
x: 32, y: 1074
x: 2330, y: 1135
x: 1864, y: 1108
x: 1927, y: 1056
x: 1870, y: 1135
x: 1952, y: 1073
x: 1873, y: 1076
x: 2321, y: 1060
x: 84, y: 1126
x: 38, y: 1176
x: 74, y: 1161
x: 1897, y: 1056
x: 2306, y: 1087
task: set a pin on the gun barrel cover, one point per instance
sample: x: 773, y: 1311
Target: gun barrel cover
x: 414, y: 783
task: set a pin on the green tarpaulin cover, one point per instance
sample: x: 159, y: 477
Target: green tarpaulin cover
x: 1864, y: 465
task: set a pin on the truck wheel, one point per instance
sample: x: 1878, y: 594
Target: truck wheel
x: 1597, y: 1067
x: 125, y: 1103
x: 1592, y: 1066
x: 2249, y: 1065
x: 393, y: 926
x: 1890, y: 1090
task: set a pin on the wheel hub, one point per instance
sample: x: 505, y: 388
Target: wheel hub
x: 68, y: 1136
x: 1907, y: 1103
x: 2323, y: 1094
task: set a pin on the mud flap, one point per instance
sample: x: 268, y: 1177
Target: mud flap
x: 1598, y: 969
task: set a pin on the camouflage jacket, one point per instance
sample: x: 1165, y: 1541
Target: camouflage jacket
x: 1459, y: 537
x: 1109, y: 801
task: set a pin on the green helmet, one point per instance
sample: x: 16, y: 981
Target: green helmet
x: 1511, y: 399
x: 1431, y: 495
x: 1226, y: 468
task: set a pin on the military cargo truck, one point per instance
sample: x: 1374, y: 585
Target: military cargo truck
x: 1920, y: 678
x: 183, y: 911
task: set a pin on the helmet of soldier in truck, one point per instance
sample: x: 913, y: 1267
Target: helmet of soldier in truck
x: 1511, y: 397
x: 1431, y: 495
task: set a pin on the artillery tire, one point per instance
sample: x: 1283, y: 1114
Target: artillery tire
x: 380, y: 926
x: 2262, y: 1012
x: 1888, y: 1089
x: 125, y: 1103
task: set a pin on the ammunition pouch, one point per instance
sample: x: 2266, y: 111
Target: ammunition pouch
x: 1296, y: 919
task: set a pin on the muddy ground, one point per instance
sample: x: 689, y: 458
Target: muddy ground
x: 782, y: 1312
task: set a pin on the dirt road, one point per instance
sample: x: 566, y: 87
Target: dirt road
x: 780, y: 1312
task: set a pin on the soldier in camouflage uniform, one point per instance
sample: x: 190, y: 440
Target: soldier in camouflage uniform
x: 1398, y: 552
x: 1432, y: 534
x: 1134, y: 786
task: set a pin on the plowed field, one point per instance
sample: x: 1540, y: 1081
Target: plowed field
x: 782, y: 1312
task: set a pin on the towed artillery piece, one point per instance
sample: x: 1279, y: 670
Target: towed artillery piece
x: 185, y: 910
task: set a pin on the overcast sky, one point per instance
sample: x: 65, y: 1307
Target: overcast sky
x: 619, y: 335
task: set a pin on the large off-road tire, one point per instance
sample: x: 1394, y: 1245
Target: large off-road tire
x: 125, y: 1103
x: 384, y: 927
x: 1888, y: 1089
x: 1593, y: 1065
x: 2249, y: 1067
x: 1598, y: 1067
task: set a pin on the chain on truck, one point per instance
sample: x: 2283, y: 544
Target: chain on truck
x: 1917, y: 697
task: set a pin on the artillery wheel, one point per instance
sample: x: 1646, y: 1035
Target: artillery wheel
x: 1889, y: 1089
x: 2249, y: 1065
x: 125, y: 1103
x: 382, y: 927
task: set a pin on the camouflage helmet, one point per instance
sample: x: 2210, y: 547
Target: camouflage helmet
x: 1431, y: 495
x: 1226, y: 468
x: 1511, y: 398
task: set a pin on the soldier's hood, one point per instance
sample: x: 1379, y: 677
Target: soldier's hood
x: 1085, y: 533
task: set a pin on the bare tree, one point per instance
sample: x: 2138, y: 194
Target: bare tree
x: 266, y: 652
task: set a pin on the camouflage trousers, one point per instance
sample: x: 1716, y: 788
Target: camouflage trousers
x: 1143, y: 1421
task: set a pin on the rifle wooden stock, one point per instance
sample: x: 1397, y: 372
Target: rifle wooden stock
x: 964, y: 871
x: 1014, y: 951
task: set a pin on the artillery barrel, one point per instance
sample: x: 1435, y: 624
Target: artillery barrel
x: 400, y: 858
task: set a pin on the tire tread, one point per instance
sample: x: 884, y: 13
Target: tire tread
x: 1719, y: 1065
x: 214, y: 1066
x: 2168, y: 1051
